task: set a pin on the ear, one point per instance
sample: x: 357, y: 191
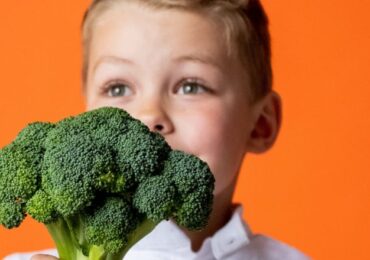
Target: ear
x: 267, y: 116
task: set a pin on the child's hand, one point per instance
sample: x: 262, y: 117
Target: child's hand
x: 43, y: 257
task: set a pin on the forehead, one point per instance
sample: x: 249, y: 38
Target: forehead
x: 129, y: 27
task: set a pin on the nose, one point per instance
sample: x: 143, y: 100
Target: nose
x: 153, y: 114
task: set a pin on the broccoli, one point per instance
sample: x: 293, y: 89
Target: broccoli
x: 100, y: 181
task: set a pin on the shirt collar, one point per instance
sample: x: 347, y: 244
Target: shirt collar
x: 234, y: 235
x: 165, y: 235
x: 168, y: 236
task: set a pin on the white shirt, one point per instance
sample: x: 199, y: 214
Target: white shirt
x: 234, y: 241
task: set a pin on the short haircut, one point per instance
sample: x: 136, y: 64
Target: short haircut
x: 244, y: 24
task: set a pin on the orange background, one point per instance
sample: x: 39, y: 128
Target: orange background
x: 311, y: 190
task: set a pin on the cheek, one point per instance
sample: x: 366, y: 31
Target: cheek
x: 219, y: 140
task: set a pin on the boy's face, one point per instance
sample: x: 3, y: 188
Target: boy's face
x: 170, y: 70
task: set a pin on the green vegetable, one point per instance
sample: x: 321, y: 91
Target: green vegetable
x: 100, y: 181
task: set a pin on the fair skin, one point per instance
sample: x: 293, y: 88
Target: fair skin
x: 169, y: 69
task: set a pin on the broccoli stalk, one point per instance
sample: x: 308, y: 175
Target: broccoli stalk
x: 67, y: 237
x: 100, y: 181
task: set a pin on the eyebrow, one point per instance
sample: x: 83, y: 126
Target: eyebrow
x: 112, y: 59
x: 207, y: 60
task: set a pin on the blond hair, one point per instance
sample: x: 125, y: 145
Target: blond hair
x: 245, y: 27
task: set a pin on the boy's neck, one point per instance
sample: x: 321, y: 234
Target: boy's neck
x: 221, y: 214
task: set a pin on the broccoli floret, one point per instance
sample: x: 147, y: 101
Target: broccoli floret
x: 100, y: 181
x: 19, y: 179
x: 41, y: 208
x: 195, y: 184
x: 71, y: 172
x: 194, y: 211
x: 11, y: 213
x: 20, y: 172
x: 143, y: 151
x: 105, y: 225
x: 156, y: 197
x: 33, y: 137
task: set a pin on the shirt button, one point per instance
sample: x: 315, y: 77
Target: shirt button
x: 230, y: 241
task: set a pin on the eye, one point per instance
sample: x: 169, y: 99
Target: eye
x: 118, y: 90
x: 191, y: 87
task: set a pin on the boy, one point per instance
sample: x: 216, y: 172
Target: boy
x: 199, y: 73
